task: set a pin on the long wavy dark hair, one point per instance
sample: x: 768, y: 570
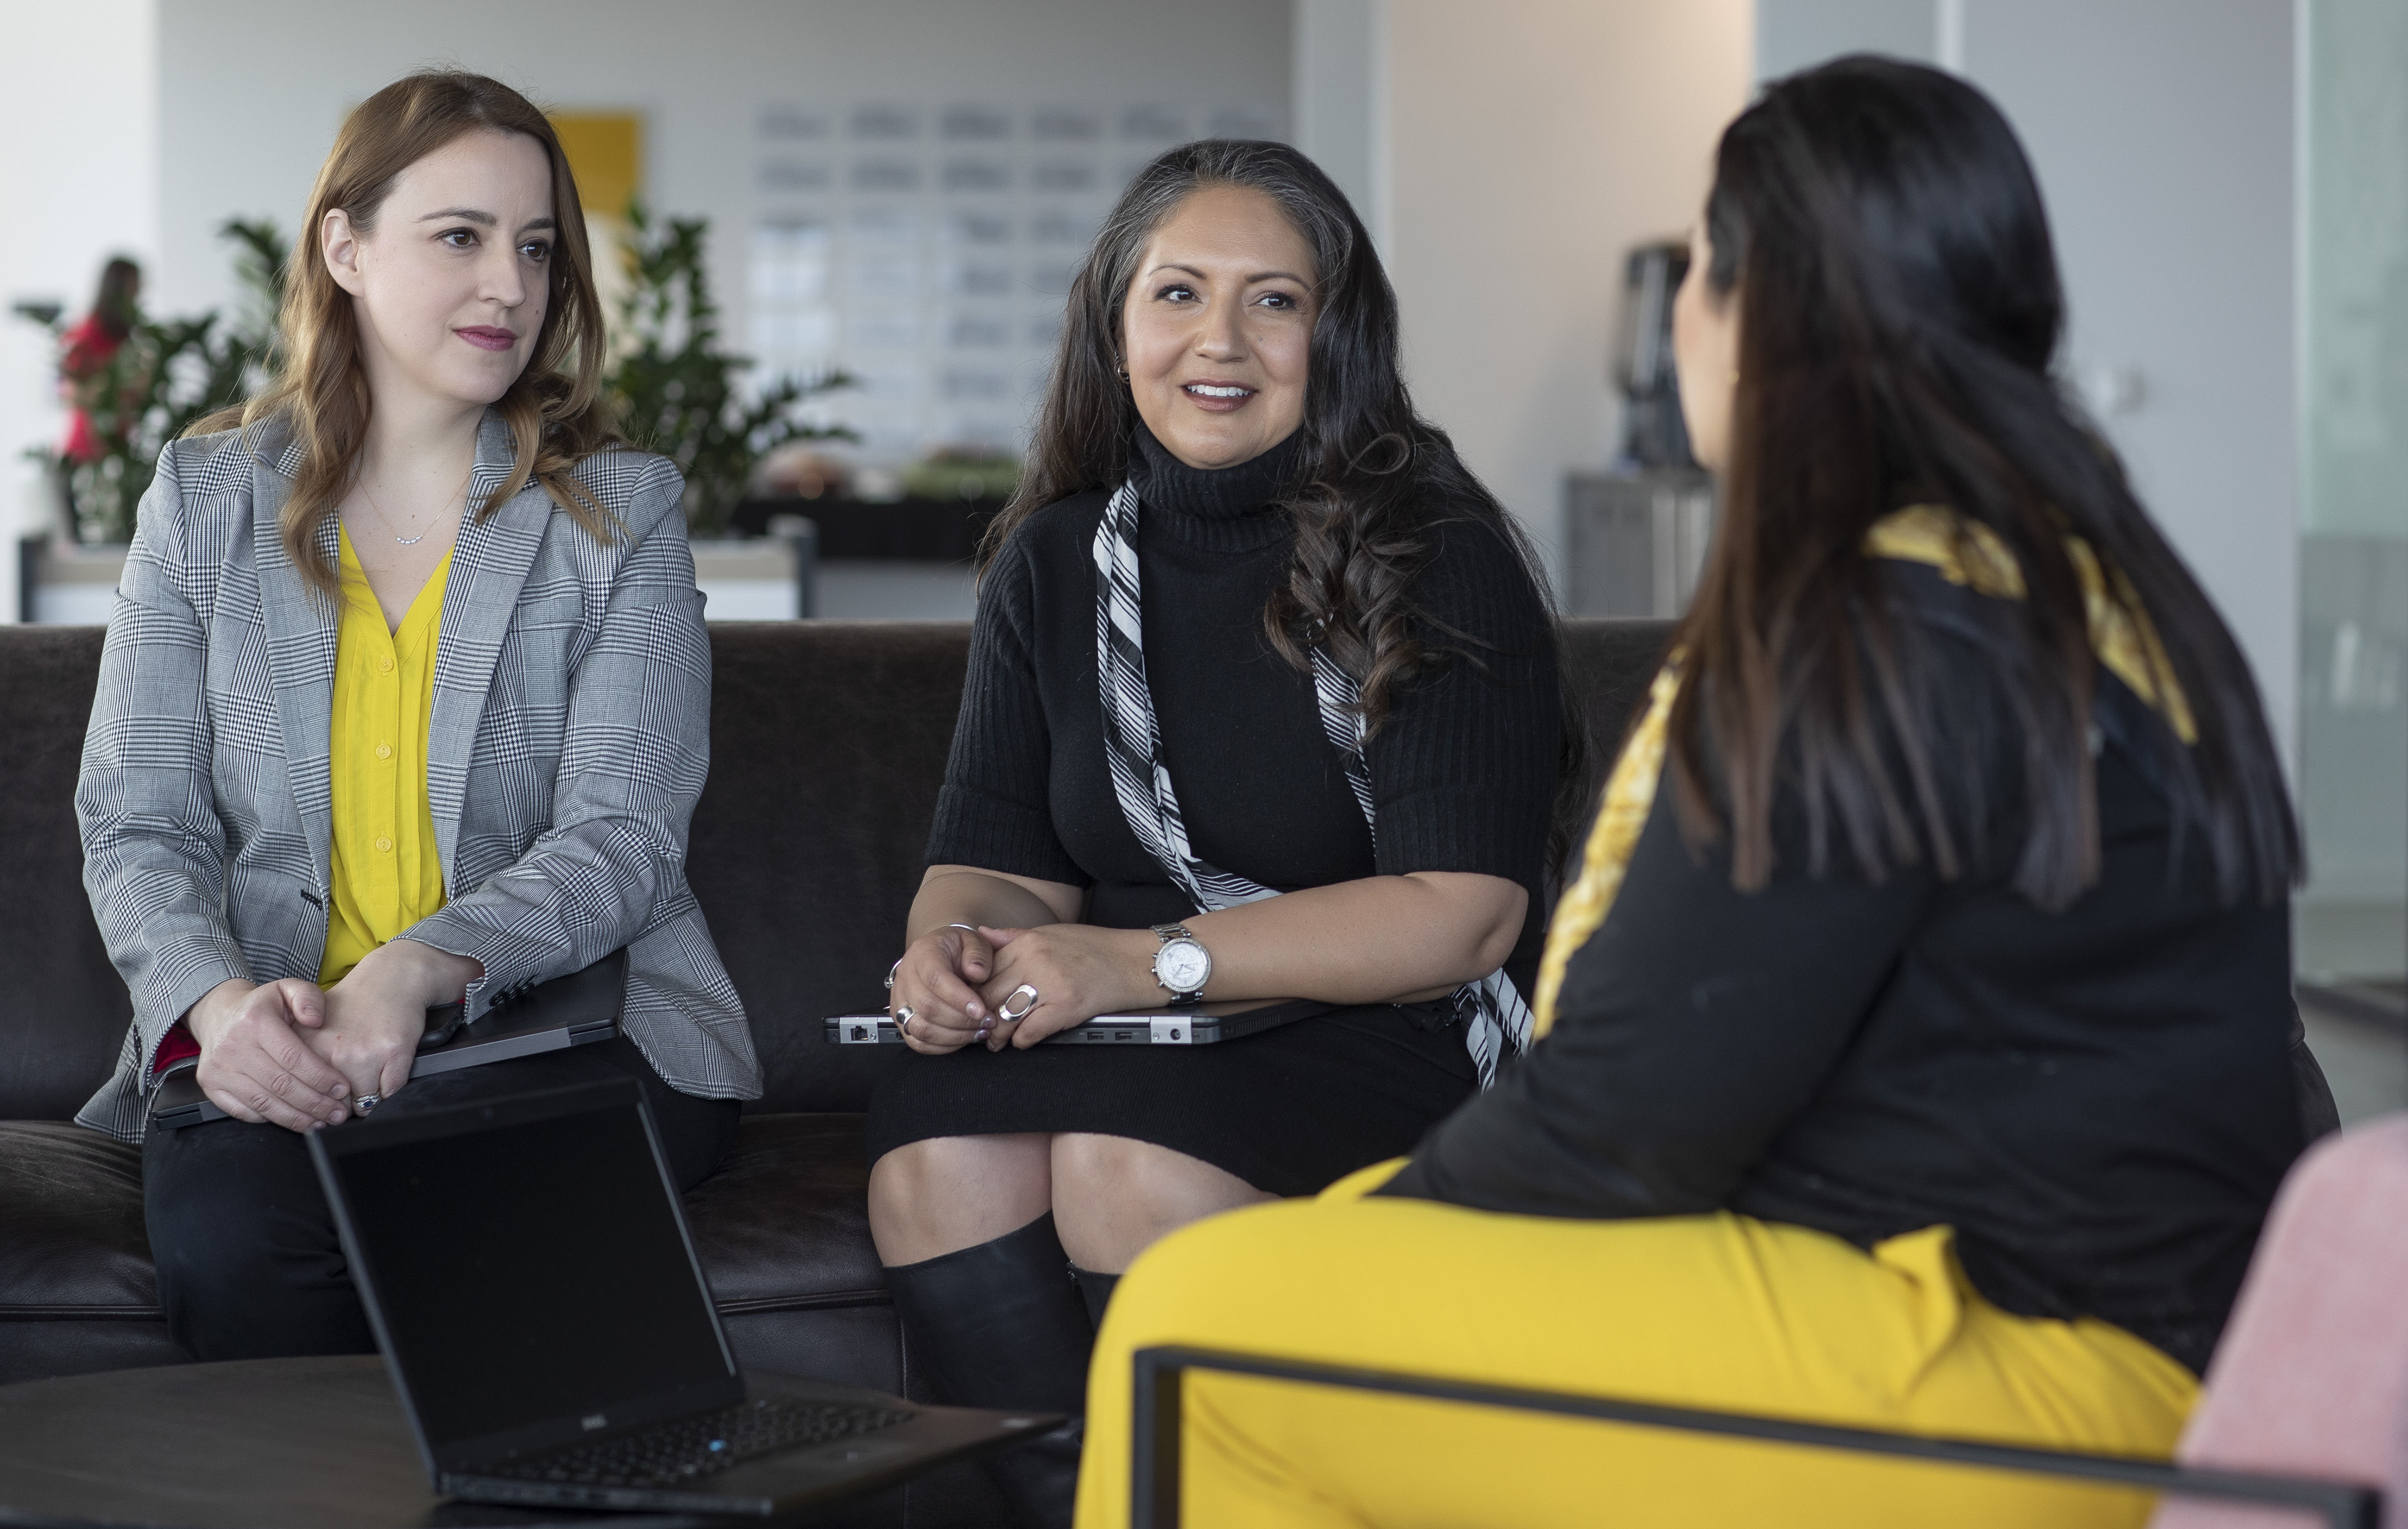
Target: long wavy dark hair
x: 1373, y: 477
x: 1900, y: 310
x: 114, y: 306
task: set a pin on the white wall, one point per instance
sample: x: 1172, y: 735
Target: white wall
x: 1339, y: 109
x: 1528, y: 144
x: 2164, y: 134
x: 1506, y: 154
x: 255, y: 89
x: 2164, y: 138
x: 78, y: 129
x: 1792, y: 34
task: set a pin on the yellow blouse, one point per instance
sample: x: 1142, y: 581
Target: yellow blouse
x: 386, y: 873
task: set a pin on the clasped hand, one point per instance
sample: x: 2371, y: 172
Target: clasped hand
x: 291, y: 1054
x: 960, y: 986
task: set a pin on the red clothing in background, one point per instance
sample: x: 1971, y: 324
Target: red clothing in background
x: 86, y: 349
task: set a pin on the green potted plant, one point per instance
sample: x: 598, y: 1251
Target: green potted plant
x: 168, y: 373
x: 676, y: 386
x: 963, y: 472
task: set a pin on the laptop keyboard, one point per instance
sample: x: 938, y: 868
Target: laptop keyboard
x: 678, y: 1452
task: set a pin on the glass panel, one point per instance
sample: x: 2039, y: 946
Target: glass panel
x: 2353, y: 924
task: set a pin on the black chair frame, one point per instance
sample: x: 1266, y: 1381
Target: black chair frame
x: 1155, y: 1437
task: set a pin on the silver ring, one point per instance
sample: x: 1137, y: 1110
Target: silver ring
x: 1005, y: 1012
x: 903, y: 1018
x: 891, y: 971
x: 971, y: 927
x: 367, y: 1102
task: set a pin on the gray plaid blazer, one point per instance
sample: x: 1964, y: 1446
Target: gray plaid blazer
x: 569, y: 740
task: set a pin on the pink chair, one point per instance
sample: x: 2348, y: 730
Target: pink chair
x: 2311, y: 1375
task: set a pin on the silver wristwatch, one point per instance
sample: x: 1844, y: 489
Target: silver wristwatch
x: 1182, y: 964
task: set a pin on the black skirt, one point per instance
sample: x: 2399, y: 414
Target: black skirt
x: 1289, y: 1110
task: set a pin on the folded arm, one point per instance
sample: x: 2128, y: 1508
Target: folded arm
x: 155, y: 848
x: 1381, y: 939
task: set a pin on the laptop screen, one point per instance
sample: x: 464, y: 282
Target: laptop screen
x: 529, y: 1270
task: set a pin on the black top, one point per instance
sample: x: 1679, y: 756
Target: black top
x: 2097, y: 1100
x: 1463, y: 771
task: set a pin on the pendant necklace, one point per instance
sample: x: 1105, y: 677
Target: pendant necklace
x: 411, y: 541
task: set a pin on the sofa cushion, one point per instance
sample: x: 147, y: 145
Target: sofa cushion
x: 1608, y: 665
x: 64, y: 1009
x: 784, y: 1223
x: 71, y: 1200
x: 828, y: 744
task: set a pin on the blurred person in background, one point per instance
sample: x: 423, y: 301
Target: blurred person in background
x: 85, y: 350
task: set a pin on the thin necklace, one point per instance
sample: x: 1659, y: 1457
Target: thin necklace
x: 412, y: 541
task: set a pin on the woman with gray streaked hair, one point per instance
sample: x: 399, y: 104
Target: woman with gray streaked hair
x: 1261, y: 705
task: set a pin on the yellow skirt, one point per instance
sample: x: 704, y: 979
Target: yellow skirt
x: 1715, y: 1311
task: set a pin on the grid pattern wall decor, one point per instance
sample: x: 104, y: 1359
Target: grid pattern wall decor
x: 926, y: 249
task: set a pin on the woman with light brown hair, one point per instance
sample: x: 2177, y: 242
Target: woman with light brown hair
x: 405, y: 702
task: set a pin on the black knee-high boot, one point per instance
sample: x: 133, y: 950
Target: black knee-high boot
x: 1003, y: 1324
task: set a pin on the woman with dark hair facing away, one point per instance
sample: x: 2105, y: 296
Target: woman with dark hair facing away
x: 1915, y: 1035
x: 405, y: 701
x: 85, y: 350
x: 1262, y: 704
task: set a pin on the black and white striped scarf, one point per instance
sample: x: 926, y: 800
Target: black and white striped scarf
x: 1498, y: 1018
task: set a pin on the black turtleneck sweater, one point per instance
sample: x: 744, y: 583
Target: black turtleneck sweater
x: 1463, y: 769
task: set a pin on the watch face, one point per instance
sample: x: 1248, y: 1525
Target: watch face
x: 1183, y: 965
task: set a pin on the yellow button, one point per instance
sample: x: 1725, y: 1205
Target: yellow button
x: 384, y: 665
x: 384, y: 751
x: 384, y: 846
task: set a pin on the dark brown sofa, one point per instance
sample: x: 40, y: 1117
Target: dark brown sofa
x: 828, y: 739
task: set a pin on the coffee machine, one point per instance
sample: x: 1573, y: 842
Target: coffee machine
x: 1635, y: 535
x: 1652, y: 434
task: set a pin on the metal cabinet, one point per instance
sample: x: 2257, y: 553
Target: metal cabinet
x: 1634, y: 543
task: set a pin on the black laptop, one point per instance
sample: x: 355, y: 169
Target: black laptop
x: 527, y: 1268
x: 578, y: 1009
